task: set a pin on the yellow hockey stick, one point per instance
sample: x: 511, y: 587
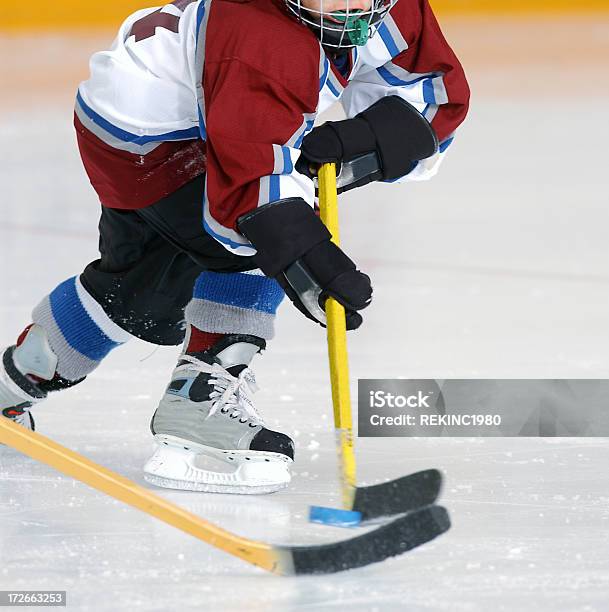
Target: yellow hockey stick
x: 360, y: 504
x: 337, y: 347
x: 392, y: 539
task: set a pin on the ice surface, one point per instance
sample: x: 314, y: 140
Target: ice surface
x: 497, y: 268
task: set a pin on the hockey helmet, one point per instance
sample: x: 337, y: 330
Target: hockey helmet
x: 342, y: 29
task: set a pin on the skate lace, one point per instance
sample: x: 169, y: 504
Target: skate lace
x: 231, y: 395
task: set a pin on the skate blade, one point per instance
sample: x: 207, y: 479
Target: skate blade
x: 169, y: 483
x: 207, y: 469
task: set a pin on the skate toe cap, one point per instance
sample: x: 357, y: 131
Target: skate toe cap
x: 273, y: 442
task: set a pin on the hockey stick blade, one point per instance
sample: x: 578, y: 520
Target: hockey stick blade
x: 385, y: 500
x: 398, y: 496
x: 389, y: 540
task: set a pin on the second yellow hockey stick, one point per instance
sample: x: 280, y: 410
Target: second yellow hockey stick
x: 395, y: 538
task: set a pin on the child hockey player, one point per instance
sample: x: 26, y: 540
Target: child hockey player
x: 196, y: 131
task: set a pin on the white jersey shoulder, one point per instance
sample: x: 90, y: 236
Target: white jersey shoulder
x: 145, y: 85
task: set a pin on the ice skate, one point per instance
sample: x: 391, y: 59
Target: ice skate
x: 22, y: 365
x: 27, y: 375
x: 210, y: 436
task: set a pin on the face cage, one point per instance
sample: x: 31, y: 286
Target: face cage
x: 342, y: 35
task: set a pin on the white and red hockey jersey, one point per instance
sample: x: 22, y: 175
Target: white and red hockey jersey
x: 227, y: 89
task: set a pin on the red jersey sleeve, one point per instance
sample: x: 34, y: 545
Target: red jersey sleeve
x: 252, y: 123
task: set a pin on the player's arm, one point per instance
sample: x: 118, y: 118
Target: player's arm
x: 426, y: 75
x: 256, y: 203
x: 383, y: 142
x: 250, y: 124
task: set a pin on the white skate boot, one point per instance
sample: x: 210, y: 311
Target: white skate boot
x: 21, y: 369
x: 209, y: 435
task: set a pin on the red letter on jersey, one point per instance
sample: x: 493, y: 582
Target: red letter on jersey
x: 146, y: 26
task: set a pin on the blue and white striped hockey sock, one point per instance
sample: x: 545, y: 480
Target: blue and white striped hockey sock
x: 235, y: 303
x: 80, y: 333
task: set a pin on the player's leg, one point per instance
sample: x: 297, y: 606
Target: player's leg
x: 206, y: 417
x: 210, y: 435
x: 73, y: 328
x: 69, y: 336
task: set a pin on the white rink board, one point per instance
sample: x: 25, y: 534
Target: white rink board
x: 498, y: 268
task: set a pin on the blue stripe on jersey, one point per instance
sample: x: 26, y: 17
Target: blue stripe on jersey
x: 200, y: 16
x: 308, y: 127
x: 125, y: 136
x: 332, y: 88
x: 202, y: 130
x: 428, y: 93
x: 393, y: 80
x: 446, y: 144
x: 288, y: 166
x: 220, y: 238
x: 388, y: 40
x: 77, y: 327
x: 251, y: 291
x: 274, y: 192
x: 322, y: 80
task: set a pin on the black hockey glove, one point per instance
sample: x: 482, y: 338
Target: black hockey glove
x: 384, y: 142
x: 294, y: 247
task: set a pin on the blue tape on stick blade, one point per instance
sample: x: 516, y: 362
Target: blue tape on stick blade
x: 334, y: 516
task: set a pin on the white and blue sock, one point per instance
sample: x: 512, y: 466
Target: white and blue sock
x: 80, y: 333
x: 235, y: 303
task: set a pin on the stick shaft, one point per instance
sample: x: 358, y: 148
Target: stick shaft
x: 43, y: 449
x: 337, y: 346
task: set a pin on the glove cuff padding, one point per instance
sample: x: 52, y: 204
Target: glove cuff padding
x: 282, y: 232
x: 402, y: 134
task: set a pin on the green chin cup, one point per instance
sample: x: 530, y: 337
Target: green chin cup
x: 358, y: 27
